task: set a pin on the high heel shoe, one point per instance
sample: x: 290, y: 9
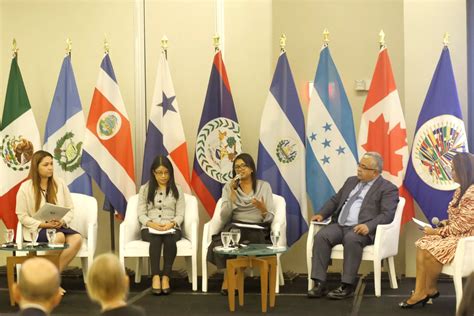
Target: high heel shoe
x: 405, y: 303
x: 434, y: 295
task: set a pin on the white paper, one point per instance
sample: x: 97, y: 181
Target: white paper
x: 420, y: 223
x: 254, y: 226
x: 324, y: 222
x: 50, y: 211
x: 161, y: 232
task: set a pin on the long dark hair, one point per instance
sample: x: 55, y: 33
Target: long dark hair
x: 153, y: 184
x: 50, y: 194
x: 463, y: 164
x: 248, y: 160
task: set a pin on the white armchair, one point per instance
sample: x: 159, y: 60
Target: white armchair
x: 461, y: 266
x: 385, y: 247
x: 131, y: 244
x: 215, y: 225
x: 84, y: 222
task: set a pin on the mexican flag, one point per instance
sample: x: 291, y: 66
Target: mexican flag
x: 19, y: 140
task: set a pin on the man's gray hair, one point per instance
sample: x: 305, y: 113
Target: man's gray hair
x: 378, y: 159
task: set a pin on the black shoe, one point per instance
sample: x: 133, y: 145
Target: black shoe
x: 156, y: 291
x: 342, y: 292
x: 405, y: 303
x: 434, y: 295
x: 166, y: 291
x: 319, y: 290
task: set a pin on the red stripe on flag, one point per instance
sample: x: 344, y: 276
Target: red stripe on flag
x: 219, y: 63
x: 117, y: 149
x: 8, y: 207
x: 204, y: 195
x: 409, y: 209
x: 383, y: 82
x: 180, y: 158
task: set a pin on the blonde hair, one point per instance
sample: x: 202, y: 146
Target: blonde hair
x: 106, y: 279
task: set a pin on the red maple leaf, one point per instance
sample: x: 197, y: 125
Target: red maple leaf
x: 386, y: 142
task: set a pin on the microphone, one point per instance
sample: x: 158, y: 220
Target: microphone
x: 436, y: 222
x: 236, y: 181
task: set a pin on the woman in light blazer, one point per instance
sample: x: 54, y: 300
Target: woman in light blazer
x: 161, y: 213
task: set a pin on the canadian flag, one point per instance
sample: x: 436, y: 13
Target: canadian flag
x: 383, y: 129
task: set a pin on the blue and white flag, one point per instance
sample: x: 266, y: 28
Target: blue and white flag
x: 65, y: 129
x: 281, y: 150
x: 331, y: 151
x: 439, y: 135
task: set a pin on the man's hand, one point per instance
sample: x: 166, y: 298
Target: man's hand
x: 361, y: 229
x: 317, y: 218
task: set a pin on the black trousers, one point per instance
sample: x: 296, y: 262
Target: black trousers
x: 327, y: 238
x: 169, y: 250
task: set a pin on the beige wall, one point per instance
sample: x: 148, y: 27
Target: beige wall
x: 252, y: 31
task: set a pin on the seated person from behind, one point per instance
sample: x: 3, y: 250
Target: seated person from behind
x: 244, y: 200
x: 362, y: 203
x: 37, y: 291
x: 107, y: 284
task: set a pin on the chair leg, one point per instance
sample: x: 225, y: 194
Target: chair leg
x: 138, y: 270
x: 377, y: 277
x: 457, y: 279
x: 85, y: 266
x: 391, y: 273
x: 204, y: 276
x: 189, y: 268
x: 194, y: 272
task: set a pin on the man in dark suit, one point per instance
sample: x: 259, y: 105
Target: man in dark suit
x: 362, y: 203
x: 38, y: 291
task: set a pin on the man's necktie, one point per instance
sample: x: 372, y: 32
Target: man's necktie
x: 347, y: 206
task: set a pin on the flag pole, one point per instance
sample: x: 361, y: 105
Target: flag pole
x: 14, y: 49
x: 282, y: 43
x: 446, y: 39
x: 382, y: 39
x: 164, y: 46
x: 216, y: 40
x: 68, y: 46
x: 326, y: 37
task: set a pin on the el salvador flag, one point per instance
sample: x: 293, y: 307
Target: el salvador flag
x: 65, y: 129
x: 331, y: 155
x: 281, y: 150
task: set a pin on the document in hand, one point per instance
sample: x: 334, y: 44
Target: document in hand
x: 324, y: 222
x: 50, y: 211
x: 161, y: 232
x: 420, y: 223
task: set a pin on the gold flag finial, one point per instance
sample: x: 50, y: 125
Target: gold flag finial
x: 446, y: 39
x: 68, y: 46
x: 164, y: 43
x: 106, y: 44
x: 216, y: 40
x: 282, y: 42
x: 14, y: 48
x: 382, y: 39
x: 326, y: 37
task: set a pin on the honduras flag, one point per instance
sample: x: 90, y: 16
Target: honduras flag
x: 331, y: 151
x: 65, y: 129
x: 281, y: 150
x: 218, y: 139
x: 439, y: 135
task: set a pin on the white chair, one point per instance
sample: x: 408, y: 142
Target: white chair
x: 84, y: 222
x: 215, y: 225
x: 461, y: 266
x: 131, y: 244
x: 385, y: 247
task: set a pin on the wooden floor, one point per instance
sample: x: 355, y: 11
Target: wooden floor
x: 292, y: 299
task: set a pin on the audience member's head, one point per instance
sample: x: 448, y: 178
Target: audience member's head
x: 39, y: 283
x: 466, y: 308
x: 106, y: 280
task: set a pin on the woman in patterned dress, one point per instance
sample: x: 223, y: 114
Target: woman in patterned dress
x: 438, y: 246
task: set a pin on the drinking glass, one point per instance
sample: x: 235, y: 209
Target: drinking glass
x: 225, y: 238
x: 275, y: 237
x: 34, y: 237
x: 51, y: 235
x: 235, y: 234
x: 9, y: 235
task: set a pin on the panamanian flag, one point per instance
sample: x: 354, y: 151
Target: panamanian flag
x: 331, y: 150
x: 165, y: 134
x: 218, y: 139
x: 65, y: 129
x: 439, y: 134
x: 108, y: 152
x: 281, y: 149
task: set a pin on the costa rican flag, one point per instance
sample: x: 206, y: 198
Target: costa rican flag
x: 165, y: 134
x: 108, y: 155
x: 281, y: 150
x: 218, y: 139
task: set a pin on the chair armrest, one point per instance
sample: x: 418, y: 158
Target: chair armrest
x: 206, y: 236
x: 386, y: 240
x: 122, y: 239
x: 463, y: 263
x: 91, y: 238
x: 313, y: 230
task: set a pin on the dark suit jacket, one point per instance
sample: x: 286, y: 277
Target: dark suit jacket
x: 378, y: 207
x: 31, y: 312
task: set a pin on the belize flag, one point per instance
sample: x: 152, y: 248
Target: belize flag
x: 108, y: 154
x: 281, y: 150
x: 65, y: 129
x: 165, y: 134
x: 439, y: 134
x: 331, y: 151
x: 218, y: 139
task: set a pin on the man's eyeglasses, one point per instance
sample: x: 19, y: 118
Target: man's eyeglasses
x: 366, y: 168
x: 242, y: 166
